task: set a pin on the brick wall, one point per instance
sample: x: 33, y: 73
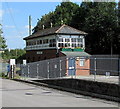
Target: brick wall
x: 38, y: 55
x: 81, y: 70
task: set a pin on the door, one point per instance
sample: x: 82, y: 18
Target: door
x: 71, y: 66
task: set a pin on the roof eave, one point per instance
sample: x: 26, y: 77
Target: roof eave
x: 26, y: 38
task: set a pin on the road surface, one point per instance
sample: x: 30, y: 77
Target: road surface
x: 17, y: 94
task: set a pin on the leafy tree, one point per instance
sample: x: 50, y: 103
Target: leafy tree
x: 45, y: 20
x: 2, y: 39
x: 100, y: 20
x: 78, y: 20
x: 18, y: 54
x: 100, y: 24
x: 63, y: 12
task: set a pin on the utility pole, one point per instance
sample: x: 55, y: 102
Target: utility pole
x: 30, y: 25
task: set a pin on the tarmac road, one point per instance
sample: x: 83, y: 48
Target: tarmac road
x: 17, y: 94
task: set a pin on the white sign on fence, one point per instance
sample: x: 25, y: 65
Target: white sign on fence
x: 12, y: 61
x: 24, y: 62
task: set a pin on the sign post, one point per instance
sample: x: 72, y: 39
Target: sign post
x: 12, y: 67
x: 24, y: 62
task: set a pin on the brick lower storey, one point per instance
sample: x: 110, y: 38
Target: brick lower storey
x: 39, y: 55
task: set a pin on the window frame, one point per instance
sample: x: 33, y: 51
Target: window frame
x: 82, y: 62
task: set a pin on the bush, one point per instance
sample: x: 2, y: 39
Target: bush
x: 3, y: 75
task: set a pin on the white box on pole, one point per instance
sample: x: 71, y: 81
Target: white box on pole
x: 12, y: 61
x: 24, y: 62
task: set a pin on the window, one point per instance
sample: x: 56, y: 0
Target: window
x: 67, y: 40
x: 60, y: 45
x: 34, y: 42
x: 80, y: 45
x: 67, y: 45
x: 45, y: 41
x: 74, y: 39
x: 38, y: 42
x: 80, y: 40
x: 52, y: 43
x: 82, y: 62
x: 60, y: 39
x: 29, y: 43
x: 74, y: 45
x: 52, y: 40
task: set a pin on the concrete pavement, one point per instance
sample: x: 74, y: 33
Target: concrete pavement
x: 17, y: 94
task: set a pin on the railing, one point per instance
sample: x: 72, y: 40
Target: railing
x: 3, y: 68
x: 95, y: 68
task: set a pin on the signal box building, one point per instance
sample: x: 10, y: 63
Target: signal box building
x: 58, y: 42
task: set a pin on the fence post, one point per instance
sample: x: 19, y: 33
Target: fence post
x: 119, y: 77
x: 72, y: 69
x: 28, y: 71
x: 12, y: 71
x: 95, y: 64
x: 37, y: 71
x: 23, y: 74
x: 119, y: 68
x: 48, y: 76
x: 75, y: 67
x: 60, y: 68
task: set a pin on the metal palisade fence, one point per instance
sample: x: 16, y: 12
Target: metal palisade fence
x: 3, y: 67
x: 73, y: 67
x: 52, y: 68
x: 105, y: 65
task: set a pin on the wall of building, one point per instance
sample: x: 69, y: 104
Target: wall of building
x: 38, y: 55
x: 82, y: 70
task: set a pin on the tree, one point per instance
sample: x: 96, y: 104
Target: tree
x: 18, y: 54
x: 45, y: 20
x: 2, y: 40
x: 100, y: 20
x: 78, y: 20
x: 63, y: 12
x: 100, y: 24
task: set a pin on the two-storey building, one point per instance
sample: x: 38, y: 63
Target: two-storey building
x: 57, y: 42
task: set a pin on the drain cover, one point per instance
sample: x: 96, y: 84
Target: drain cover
x: 28, y: 93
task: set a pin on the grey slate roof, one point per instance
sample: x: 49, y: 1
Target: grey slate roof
x: 75, y: 54
x: 64, y: 29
